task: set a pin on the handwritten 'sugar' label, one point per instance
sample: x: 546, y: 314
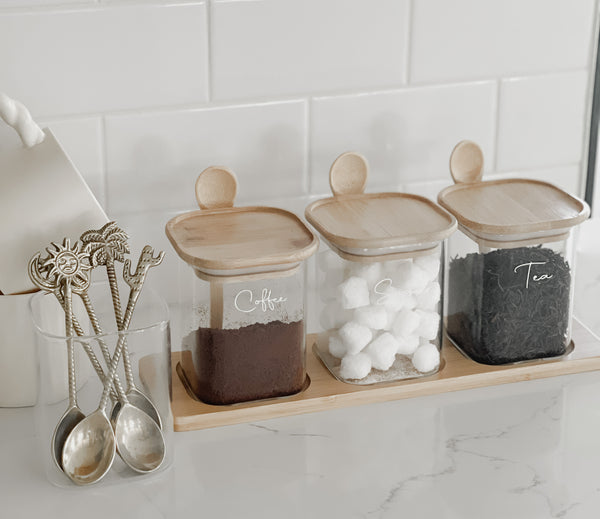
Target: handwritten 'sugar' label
x: 245, y: 302
x: 382, y: 289
x: 535, y: 277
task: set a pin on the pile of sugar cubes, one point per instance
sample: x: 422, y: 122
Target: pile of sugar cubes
x: 381, y: 310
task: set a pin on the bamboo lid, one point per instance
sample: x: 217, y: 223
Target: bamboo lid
x: 375, y: 223
x: 221, y: 237
x: 508, y: 209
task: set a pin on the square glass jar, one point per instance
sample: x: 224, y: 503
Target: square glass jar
x: 379, y: 279
x: 242, y: 296
x: 510, y: 302
x: 511, y: 265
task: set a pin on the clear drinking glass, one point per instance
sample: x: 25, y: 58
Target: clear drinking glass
x: 149, y: 348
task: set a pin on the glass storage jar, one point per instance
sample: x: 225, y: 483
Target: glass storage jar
x: 510, y: 269
x: 379, y: 279
x: 243, y: 335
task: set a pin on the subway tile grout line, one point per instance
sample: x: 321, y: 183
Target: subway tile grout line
x: 538, y: 168
x: 92, y: 5
x: 409, y: 43
x: 104, y: 162
x: 496, y: 134
x: 285, y: 98
x: 209, y: 52
x: 308, y: 147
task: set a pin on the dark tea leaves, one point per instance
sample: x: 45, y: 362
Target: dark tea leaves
x: 509, y: 305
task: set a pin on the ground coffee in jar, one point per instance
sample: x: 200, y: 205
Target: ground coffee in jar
x: 231, y: 366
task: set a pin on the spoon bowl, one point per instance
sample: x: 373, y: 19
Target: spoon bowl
x: 137, y: 399
x: 89, y: 450
x: 139, y: 439
x: 66, y: 424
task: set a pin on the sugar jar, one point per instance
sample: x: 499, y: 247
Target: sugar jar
x: 510, y: 268
x: 242, y: 298
x: 379, y: 278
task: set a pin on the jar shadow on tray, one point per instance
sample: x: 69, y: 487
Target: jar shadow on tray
x: 188, y: 388
x: 401, y: 370
x: 569, y: 349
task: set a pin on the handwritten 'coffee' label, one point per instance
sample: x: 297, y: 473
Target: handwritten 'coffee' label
x: 245, y: 302
x: 533, y: 277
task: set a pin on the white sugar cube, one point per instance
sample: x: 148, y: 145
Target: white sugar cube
x: 382, y: 351
x: 391, y: 317
x: 354, y: 293
x: 430, y: 264
x: 397, y: 268
x: 355, y: 366
x: 336, y: 347
x: 430, y: 297
x: 426, y: 358
x: 396, y: 299
x: 355, y: 337
x: 370, y: 272
x: 412, y: 278
x: 407, y: 345
x: 406, y: 323
x: 374, y: 317
x: 429, y: 324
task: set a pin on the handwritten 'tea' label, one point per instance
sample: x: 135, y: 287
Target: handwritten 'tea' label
x: 382, y: 289
x: 534, y: 277
x: 245, y: 301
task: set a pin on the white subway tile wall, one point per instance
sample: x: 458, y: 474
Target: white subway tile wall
x: 153, y: 159
x: 406, y: 134
x: 145, y: 94
x: 275, y: 48
x: 542, y: 120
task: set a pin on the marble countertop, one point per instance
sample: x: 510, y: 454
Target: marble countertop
x: 525, y: 450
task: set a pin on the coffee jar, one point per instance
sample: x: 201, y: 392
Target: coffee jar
x: 379, y: 278
x: 242, y: 297
x: 510, y: 268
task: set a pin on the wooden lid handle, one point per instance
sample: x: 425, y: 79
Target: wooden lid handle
x: 348, y: 174
x: 466, y: 163
x: 216, y: 188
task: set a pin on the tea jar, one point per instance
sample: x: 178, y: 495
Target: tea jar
x: 242, y: 297
x: 510, y: 270
x: 379, y: 278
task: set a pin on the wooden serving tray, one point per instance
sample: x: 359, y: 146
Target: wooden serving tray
x: 325, y: 392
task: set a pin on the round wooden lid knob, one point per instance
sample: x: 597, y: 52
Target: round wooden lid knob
x: 216, y: 188
x: 348, y: 174
x: 466, y: 163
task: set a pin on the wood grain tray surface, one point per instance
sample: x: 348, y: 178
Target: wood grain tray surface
x: 325, y: 392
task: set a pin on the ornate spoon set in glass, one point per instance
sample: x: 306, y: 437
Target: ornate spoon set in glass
x: 84, y: 447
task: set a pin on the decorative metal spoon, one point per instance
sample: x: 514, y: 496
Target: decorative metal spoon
x: 107, y: 245
x: 64, y: 267
x: 136, y: 281
x: 90, y: 449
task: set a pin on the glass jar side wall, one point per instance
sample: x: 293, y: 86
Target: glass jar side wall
x: 379, y: 319
x: 508, y: 305
x: 244, y: 336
